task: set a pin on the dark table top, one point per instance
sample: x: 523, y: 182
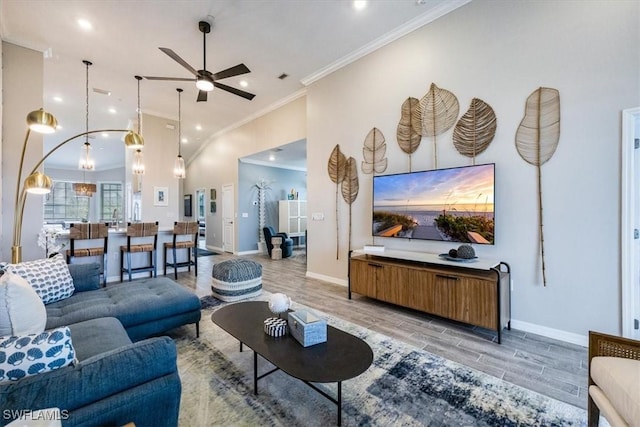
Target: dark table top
x: 342, y: 357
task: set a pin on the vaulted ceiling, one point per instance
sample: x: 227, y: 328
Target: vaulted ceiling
x: 303, y: 39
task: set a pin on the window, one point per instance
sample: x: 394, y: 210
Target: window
x: 62, y: 204
x: 111, y: 202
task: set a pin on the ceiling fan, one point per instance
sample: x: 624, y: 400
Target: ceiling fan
x: 206, y: 80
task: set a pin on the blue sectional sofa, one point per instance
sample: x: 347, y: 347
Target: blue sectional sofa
x: 125, y: 372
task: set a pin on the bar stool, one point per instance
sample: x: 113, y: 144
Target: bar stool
x: 92, y: 232
x: 182, y: 229
x: 140, y: 231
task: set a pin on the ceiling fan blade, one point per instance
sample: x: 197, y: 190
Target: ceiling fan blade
x: 179, y: 60
x: 245, y: 95
x: 230, y: 72
x: 202, y: 96
x: 178, y: 79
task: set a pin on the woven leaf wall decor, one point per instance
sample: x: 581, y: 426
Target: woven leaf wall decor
x: 409, y: 133
x: 537, y: 139
x: 337, y: 169
x: 373, y: 152
x: 350, y: 187
x: 475, y: 129
x: 439, y: 110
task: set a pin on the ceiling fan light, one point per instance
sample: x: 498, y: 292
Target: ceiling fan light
x: 133, y: 140
x: 204, y: 83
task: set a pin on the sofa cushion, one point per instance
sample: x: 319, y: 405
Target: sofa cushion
x: 27, y: 355
x: 144, y: 301
x: 49, y: 277
x: 22, y: 311
x: 619, y: 380
x: 96, y: 336
x: 86, y: 277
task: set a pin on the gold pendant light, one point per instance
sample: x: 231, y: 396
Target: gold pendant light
x: 135, y: 141
x: 178, y: 169
x: 85, y: 189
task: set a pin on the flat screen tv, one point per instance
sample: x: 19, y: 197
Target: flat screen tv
x: 454, y: 204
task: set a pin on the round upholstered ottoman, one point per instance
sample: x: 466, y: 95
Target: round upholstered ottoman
x: 236, y: 279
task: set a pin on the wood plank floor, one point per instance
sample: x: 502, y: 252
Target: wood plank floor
x: 550, y: 367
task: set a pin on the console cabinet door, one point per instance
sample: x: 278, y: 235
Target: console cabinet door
x: 362, y: 277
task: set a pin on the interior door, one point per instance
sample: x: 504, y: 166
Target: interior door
x: 228, y: 217
x: 630, y: 223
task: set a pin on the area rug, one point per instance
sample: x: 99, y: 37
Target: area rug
x: 205, y: 252
x: 404, y: 386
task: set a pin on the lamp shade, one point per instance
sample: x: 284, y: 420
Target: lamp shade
x: 38, y: 183
x: 42, y: 122
x: 133, y: 140
x: 204, y: 83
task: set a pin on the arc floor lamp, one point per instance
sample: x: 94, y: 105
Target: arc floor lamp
x: 38, y: 183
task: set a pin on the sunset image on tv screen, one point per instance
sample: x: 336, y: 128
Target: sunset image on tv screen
x: 455, y: 204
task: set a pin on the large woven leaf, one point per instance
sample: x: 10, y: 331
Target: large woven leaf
x: 336, y: 165
x: 410, y: 126
x: 350, y: 185
x: 350, y: 188
x: 439, y: 110
x: 373, y: 152
x: 475, y: 129
x: 539, y: 131
x: 537, y: 139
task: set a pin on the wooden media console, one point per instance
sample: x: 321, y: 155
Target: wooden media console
x: 476, y: 293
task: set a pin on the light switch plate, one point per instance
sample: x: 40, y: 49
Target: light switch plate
x: 317, y: 216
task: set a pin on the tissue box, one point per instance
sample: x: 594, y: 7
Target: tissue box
x: 307, y: 328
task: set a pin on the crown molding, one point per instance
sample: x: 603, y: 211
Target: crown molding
x: 419, y: 21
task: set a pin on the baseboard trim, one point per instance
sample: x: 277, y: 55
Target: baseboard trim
x: 329, y: 279
x: 253, y: 252
x: 557, y: 334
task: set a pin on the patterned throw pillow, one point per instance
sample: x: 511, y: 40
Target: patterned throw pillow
x: 49, y: 277
x: 27, y: 355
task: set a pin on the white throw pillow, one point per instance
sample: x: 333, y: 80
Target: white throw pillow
x: 22, y: 311
x: 49, y: 277
x: 27, y: 355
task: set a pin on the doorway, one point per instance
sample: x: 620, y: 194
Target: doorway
x: 228, y: 210
x: 630, y: 223
x: 200, y: 215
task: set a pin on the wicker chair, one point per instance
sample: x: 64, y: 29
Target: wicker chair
x: 185, y: 236
x: 90, y: 232
x: 146, y: 235
x: 608, y: 374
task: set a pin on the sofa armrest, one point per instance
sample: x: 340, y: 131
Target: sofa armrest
x: 94, y: 379
x: 86, y: 277
x: 283, y: 235
x: 611, y: 346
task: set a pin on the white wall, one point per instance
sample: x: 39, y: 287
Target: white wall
x: 217, y: 163
x: 500, y: 52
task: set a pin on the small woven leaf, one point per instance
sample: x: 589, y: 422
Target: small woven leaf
x: 350, y: 185
x: 439, y: 110
x: 475, y: 129
x: 373, y: 152
x: 539, y: 131
x: 410, y: 126
x: 336, y: 165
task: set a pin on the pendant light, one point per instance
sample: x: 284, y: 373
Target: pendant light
x: 135, y: 140
x: 178, y: 169
x: 84, y: 189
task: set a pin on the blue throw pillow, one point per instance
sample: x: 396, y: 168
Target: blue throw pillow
x: 27, y: 355
x: 49, y: 277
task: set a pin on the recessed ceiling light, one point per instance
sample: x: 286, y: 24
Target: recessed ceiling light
x: 57, y: 99
x: 105, y: 135
x: 59, y: 127
x: 272, y: 157
x: 185, y: 140
x: 84, y: 24
x: 198, y: 127
x: 112, y: 110
x: 359, y: 4
x: 244, y: 83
